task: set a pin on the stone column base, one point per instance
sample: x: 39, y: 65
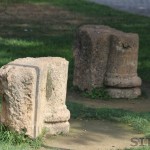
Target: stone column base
x: 129, y: 93
x: 57, y: 128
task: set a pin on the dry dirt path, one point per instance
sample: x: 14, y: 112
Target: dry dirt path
x: 98, y: 135
x: 93, y: 135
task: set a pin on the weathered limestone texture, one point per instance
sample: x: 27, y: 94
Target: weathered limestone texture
x: 122, y: 66
x: 124, y: 92
x: 91, y: 54
x: 34, y: 94
x: 106, y: 56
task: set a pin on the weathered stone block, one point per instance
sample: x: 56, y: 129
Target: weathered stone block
x: 90, y: 55
x: 122, y: 64
x: 106, y: 56
x: 122, y: 61
x: 129, y: 93
x: 34, y: 94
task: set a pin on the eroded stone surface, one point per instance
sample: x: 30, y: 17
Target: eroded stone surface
x: 58, y: 128
x: 18, y: 102
x: 34, y: 94
x: 106, y: 56
x: 91, y: 54
x: 123, y: 60
x: 129, y: 93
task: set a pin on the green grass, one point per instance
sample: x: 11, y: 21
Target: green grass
x: 12, y: 139
x: 97, y: 93
x: 7, y: 146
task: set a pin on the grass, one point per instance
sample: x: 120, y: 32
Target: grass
x: 11, y: 140
x: 7, y: 146
x: 97, y: 93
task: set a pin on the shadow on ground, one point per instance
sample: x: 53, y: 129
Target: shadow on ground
x: 92, y: 134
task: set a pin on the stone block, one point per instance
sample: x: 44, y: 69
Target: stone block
x: 34, y: 95
x: 123, y: 60
x: 129, y: 93
x: 106, y: 57
x: 91, y: 54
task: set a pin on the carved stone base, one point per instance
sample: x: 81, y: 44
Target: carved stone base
x: 129, y: 93
x: 57, y: 128
x: 34, y: 95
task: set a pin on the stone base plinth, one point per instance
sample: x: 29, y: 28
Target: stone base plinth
x: 34, y: 95
x: 129, y: 93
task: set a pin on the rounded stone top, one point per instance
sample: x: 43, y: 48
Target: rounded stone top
x: 105, y: 29
x: 40, y: 61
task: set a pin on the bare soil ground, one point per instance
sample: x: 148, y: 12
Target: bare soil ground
x: 93, y: 135
x: 100, y: 135
x: 42, y: 19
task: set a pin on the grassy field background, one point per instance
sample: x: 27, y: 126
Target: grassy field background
x: 38, y: 28
x: 44, y: 28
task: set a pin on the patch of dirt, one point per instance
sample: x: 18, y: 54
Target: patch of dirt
x: 40, y: 17
x: 100, y: 134
x: 32, y: 13
x: 93, y: 135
